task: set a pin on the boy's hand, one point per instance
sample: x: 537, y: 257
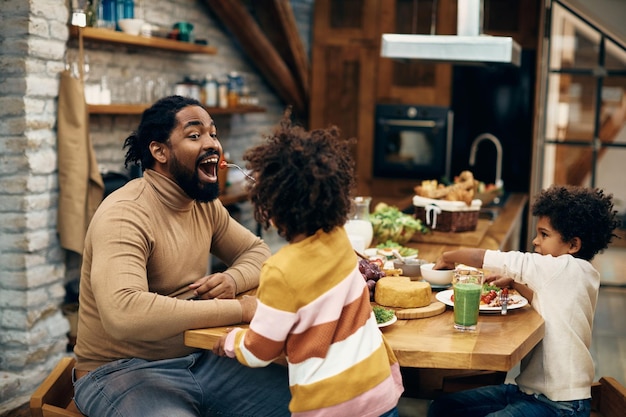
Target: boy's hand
x: 499, y: 281
x: 441, y: 264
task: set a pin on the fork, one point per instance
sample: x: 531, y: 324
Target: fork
x: 504, y: 292
x: 225, y: 164
x: 504, y: 300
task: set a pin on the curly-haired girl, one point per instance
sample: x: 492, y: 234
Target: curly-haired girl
x: 313, y: 304
x: 573, y: 225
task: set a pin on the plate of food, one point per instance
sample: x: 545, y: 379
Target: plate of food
x: 384, y: 316
x: 489, y: 303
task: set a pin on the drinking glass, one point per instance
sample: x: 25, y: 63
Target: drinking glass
x: 467, y: 286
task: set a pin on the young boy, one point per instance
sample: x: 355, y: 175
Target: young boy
x: 313, y: 303
x: 573, y: 225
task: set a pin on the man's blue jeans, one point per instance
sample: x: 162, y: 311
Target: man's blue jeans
x: 504, y: 401
x: 201, y: 384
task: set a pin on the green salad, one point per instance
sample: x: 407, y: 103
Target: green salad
x: 382, y: 314
x: 389, y: 223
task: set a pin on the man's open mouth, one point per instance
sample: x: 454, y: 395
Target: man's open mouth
x: 208, y: 168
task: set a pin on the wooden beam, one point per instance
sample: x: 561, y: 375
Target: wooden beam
x: 242, y: 25
x: 279, y: 24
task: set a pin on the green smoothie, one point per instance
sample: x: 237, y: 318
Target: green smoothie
x: 466, y: 305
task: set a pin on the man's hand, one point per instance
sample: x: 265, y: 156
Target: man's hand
x: 218, y: 285
x: 248, y: 308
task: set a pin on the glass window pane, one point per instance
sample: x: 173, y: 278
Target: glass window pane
x: 613, y: 110
x: 611, y: 172
x: 573, y: 43
x: 567, y: 164
x: 571, y: 107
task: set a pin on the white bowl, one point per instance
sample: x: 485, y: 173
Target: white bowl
x: 131, y: 26
x: 436, y: 276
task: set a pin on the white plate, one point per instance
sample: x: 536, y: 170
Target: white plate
x: 445, y: 297
x: 388, y: 322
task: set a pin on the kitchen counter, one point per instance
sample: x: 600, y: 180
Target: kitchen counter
x: 503, y: 233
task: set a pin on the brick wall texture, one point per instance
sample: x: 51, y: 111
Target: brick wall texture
x: 34, y: 269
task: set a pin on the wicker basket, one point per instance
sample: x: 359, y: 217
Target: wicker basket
x: 447, y: 216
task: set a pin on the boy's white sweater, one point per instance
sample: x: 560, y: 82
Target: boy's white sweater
x: 565, y: 294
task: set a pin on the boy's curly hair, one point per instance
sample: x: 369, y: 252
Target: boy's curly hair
x: 157, y: 123
x: 579, y: 212
x: 304, y: 179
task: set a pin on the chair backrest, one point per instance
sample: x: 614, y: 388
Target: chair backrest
x: 609, y: 397
x: 53, y: 398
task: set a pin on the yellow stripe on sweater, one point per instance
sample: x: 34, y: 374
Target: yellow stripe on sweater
x: 354, y: 381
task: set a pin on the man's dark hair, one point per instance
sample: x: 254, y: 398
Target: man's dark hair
x: 579, y: 212
x: 157, y: 123
x: 304, y: 179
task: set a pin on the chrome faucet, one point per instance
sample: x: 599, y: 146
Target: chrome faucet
x: 472, y: 160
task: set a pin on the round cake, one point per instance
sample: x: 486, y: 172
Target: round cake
x: 402, y: 292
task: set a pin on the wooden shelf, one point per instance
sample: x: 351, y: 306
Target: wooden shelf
x: 112, y: 36
x: 139, y: 109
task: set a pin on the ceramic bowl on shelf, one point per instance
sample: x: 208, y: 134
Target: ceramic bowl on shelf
x: 436, y: 276
x: 131, y: 26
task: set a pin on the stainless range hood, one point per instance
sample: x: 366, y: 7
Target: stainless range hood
x: 468, y: 46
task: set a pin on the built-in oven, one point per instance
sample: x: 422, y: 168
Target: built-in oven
x: 412, y: 141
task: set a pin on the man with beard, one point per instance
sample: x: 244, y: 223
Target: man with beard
x: 146, y: 253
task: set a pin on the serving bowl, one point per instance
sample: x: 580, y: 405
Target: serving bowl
x: 131, y: 26
x: 410, y: 267
x: 436, y: 276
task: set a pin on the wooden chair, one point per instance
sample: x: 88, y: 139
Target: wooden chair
x: 54, y: 397
x: 608, y: 398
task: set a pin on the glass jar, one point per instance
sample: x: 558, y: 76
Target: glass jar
x: 358, y: 223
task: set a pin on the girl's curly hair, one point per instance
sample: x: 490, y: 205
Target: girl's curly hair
x: 579, y: 212
x: 156, y: 124
x: 304, y: 179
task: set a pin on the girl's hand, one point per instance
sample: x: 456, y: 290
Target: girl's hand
x: 218, y: 347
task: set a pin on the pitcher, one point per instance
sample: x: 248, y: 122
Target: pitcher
x: 358, y: 223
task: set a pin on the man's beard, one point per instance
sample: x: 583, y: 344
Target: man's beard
x: 191, y: 185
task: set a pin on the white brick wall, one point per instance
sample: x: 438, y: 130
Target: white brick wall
x: 33, y: 268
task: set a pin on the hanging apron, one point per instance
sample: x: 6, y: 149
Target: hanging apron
x: 80, y: 184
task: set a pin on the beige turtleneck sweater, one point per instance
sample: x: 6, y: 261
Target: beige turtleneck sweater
x: 146, y: 241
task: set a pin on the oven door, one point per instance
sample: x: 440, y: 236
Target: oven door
x: 412, y: 142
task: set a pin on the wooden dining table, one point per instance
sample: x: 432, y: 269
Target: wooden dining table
x: 498, y: 343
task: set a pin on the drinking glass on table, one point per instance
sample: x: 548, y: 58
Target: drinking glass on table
x: 467, y: 286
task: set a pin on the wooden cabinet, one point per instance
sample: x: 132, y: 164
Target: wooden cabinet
x: 518, y: 19
x: 411, y: 81
x: 347, y: 20
x: 349, y: 77
x: 343, y: 74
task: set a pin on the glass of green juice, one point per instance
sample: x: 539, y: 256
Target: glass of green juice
x: 467, y: 285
